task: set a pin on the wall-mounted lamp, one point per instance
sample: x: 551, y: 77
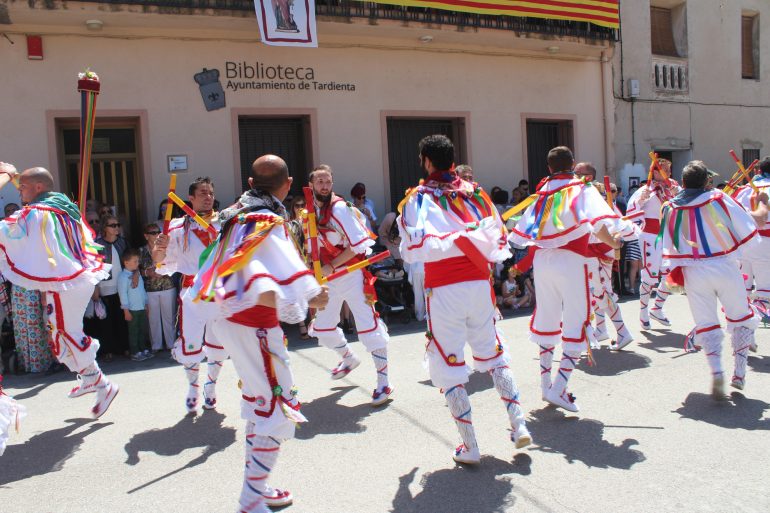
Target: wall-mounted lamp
x: 94, y: 25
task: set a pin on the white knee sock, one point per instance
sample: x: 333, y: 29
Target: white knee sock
x: 742, y: 338
x: 192, y: 371
x: 617, y: 320
x: 213, y: 369
x: 568, y: 363
x: 546, y: 360
x: 644, y: 300
x: 661, y: 295
x: 711, y: 341
x: 505, y: 385
x: 460, y: 408
x: 261, y: 457
x: 93, y: 375
x: 380, y: 357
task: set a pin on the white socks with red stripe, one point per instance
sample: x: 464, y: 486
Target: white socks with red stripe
x: 261, y: 456
x: 644, y: 300
x: 92, y: 375
x: 380, y: 357
x: 711, y: 341
x: 505, y: 385
x: 742, y: 338
x: 192, y: 371
x: 568, y: 363
x: 460, y: 408
x: 661, y: 295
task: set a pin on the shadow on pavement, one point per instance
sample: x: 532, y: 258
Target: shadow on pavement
x: 485, y: 488
x: 326, y: 417
x: 477, y: 382
x: 759, y: 363
x: 581, y: 440
x: 740, y: 412
x: 46, y: 452
x: 662, y: 340
x: 191, y: 431
x: 32, y: 392
x: 613, y: 363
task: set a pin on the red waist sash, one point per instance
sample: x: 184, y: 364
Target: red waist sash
x: 256, y: 317
x: 651, y: 226
x: 452, y: 270
x: 187, y: 280
x: 764, y: 233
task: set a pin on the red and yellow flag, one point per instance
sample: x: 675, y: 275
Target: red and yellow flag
x: 605, y: 13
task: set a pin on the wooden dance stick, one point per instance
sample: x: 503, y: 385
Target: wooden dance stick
x: 190, y: 212
x: 312, y: 234
x: 737, y: 177
x: 355, y: 267
x: 169, y: 204
x: 518, y: 208
x: 743, y: 171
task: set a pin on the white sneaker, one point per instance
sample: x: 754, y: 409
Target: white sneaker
x: 381, y: 396
x: 104, y: 397
x: 565, y: 400
x: 209, y: 396
x: 468, y: 456
x: 276, y: 498
x: 138, y: 357
x: 738, y: 383
x: 191, y: 402
x: 345, y: 366
x: 622, y: 341
x: 521, y: 436
x: 147, y: 354
x: 81, y: 389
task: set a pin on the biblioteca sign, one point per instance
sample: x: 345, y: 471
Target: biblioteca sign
x: 242, y: 76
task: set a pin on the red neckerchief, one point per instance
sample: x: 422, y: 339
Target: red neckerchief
x: 556, y: 176
x: 203, y: 235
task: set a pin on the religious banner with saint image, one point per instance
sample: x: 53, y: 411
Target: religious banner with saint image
x: 287, y: 22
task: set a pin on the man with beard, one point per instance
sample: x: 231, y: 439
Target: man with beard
x: 180, y: 251
x: 344, y: 240
x: 452, y: 226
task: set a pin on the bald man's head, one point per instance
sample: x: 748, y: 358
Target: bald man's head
x: 33, y: 182
x: 270, y: 173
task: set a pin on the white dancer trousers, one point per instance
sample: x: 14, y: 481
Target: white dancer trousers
x: 194, y: 344
x: 652, y: 257
x: 245, y: 346
x: 712, y: 280
x: 563, y: 299
x: 162, y: 306
x: 755, y: 264
x: 372, y: 332
x: 70, y: 345
x: 459, y: 314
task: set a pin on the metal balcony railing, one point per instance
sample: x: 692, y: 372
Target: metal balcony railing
x: 372, y: 11
x: 669, y: 75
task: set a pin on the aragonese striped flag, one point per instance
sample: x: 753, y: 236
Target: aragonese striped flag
x: 599, y: 12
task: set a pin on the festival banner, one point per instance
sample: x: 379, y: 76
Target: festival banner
x: 605, y: 13
x: 287, y: 22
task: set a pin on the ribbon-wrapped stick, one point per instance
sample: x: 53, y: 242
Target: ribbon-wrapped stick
x: 355, y: 267
x: 190, y: 212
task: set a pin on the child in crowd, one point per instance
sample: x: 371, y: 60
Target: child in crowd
x: 133, y: 301
x: 513, y: 296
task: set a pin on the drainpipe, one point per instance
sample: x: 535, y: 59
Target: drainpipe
x: 608, y: 115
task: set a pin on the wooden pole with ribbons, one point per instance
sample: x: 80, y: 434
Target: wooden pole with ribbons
x: 355, y: 267
x: 312, y: 231
x: 169, y: 204
x: 192, y: 213
x: 519, y: 207
x: 737, y: 177
x: 89, y: 87
x: 743, y: 171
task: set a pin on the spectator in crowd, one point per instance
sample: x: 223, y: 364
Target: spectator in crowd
x: 161, y: 295
x: 524, y: 187
x: 586, y: 171
x: 93, y: 205
x: 93, y: 220
x: 364, y: 205
x: 513, y: 295
x: 633, y: 259
x: 620, y: 200
x: 107, y: 210
x: 465, y: 172
x: 517, y: 196
x: 113, y: 335
x: 10, y: 208
x: 30, y: 330
x: 133, y: 302
x: 296, y: 230
x: 390, y: 238
x: 500, y: 199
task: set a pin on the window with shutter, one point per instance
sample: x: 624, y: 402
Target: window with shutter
x: 748, y: 51
x: 662, y: 32
x: 749, y: 156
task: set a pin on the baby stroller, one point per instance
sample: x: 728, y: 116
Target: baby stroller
x: 392, y: 289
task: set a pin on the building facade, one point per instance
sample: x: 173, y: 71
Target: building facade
x: 186, y: 85
x: 690, y: 82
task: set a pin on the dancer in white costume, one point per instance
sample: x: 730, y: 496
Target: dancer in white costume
x: 180, y: 251
x: 257, y: 278
x: 48, y: 246
x: 700, y: 233
x: 345, y: 240
x: 755, y: 259
x: 11, y: 413
x: 454, y: 228
x: 558, y: 225
x: 644, y: 207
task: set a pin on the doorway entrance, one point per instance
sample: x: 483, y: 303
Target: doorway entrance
x: 542, y: 136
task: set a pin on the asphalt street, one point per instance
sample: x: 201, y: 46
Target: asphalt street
x: 648, y: 437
